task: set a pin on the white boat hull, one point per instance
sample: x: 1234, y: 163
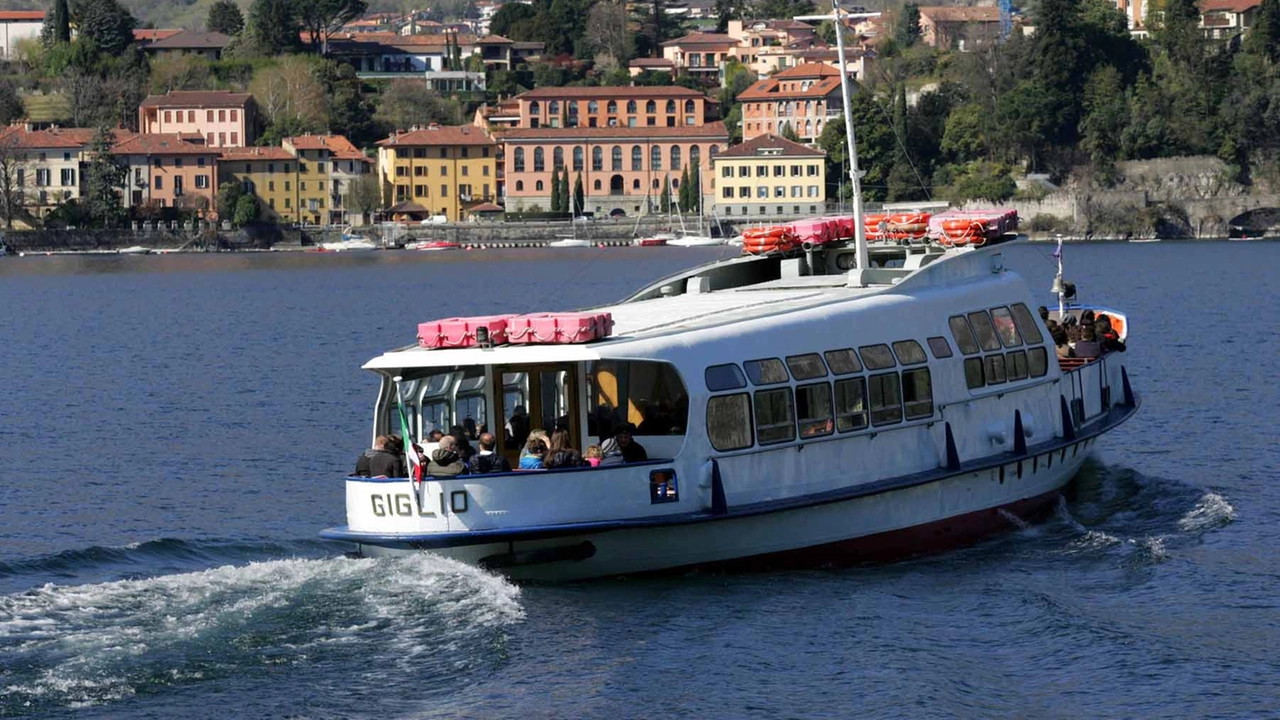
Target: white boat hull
x: 569, y: 243
x: 696, y: 241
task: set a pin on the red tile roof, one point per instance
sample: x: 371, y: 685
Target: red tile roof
x: 485, y: 207
x: 810, y: 71
x: 440, y: 135
x: 710, y: 130
x: 150, y: 35
x: 63, y: 138
x: 21, y: 16
x: 1231, y: 6
x: 782, y: 146
x: 191, y: 40
x: 493, y: 40
x: 159, y: 144
x: 625, y: 91
x: 337, y: 145
x: 255, y: 153
x: 958, y: 14
x: 198, y: 98
x: 774, y: 89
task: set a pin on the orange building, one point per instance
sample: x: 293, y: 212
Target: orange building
x: 222, y: 118
x: 804, y: 97
x: 623, y: 107
x: 167, y: 171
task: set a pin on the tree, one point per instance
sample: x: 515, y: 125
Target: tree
x: 229, y: 193
x: 1263, y: 39
x: 225, y: 17
x: 788, y: 133
x: 684, y: 202
x: 725, y: 10
x: 107, y: 23
x: 321, y: 18
x: 289, y: 92
x: 365, y: 195
x: 695, y: 188
x: 511, y: 18
x: 409, y: 103
x: 246, y: 210
x: 180, y: 72
x: 556, y: 207
x: 275, y: 25
x: 13, y: 198
x: 607, y: 31
x: 664, y: 200
x: 907, y: 31
x: 1103, y: 124
x: 963, y: 139
x: 877, y: 148
x: 104, y: 176
x: 351, y: 112
x: 57, y: 25
x: 579, y: 196
x: 10, y: 104
x: 989, y: 182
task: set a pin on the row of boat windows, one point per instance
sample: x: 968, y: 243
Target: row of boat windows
x: 989, y: 336
x: 811, y: 366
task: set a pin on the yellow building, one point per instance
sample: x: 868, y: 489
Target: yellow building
x: 305, y: 180
x: 769, y: 177
x: 438, y: 170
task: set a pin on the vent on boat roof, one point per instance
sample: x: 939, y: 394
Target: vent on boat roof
x: 567, y: 328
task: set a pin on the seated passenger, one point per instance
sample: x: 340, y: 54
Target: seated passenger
x: 435, y: 435
x: 593, y: 455
x: 538, y: 434
x: 610, y: 454
x: 631, y: 450
x: 1109, y: 338
x: 445, y: 461
x: 380, y: 462
x: 534, y: 451
x: 1044, y: 313
x: 1059, y: 336
x: 461, y: 444
x: 1088, y: 345
x: 486, y: 460
x: 517, y: 428
x: 560, y: 452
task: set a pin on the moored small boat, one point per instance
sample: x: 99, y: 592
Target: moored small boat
x: 426, y: 245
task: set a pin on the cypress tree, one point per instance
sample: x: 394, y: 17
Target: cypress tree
x: 695, y: 188
x: 684, y: 190
x: 61, y: 22
x: 664, y: 201
x: 555, y: 192
x: 579, y: 197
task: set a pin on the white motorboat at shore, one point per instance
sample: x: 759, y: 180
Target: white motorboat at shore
x: 134, y: 250
x: 354, y: 243
x: 696, y: 241
x: 815, y: 400
x: 570, y: 243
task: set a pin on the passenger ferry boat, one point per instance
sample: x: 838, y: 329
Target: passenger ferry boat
x: 817, y: 402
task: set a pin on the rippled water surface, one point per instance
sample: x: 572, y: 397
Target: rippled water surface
x: 173, y: 432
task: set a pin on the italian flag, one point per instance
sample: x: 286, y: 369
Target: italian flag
x: 411, y: 454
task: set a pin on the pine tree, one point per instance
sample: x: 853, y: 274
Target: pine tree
x: 225, y: 17
x: 683, y: 204
x: 556, y: 207
x: 57, y: 25
x: 907, y: 31
x: 664, y: 202
x: 275, y: 25
x: 579, y: 197
x: 695, y: 188
x: 104, y: 175
x: 107, y: 23
x: 1264, y: 37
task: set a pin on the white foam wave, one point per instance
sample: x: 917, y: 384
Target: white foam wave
x: 103, y: 642
x: 1153, y: 547
x: 1013, y: 519
x: 1210, y: 511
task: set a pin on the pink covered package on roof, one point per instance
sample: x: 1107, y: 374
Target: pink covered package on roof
x: 461, y: 332
x: 815, y: 231
x: 843, y: 227
x: 565, y: 328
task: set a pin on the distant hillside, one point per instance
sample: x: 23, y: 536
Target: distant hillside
x: 187, y: 14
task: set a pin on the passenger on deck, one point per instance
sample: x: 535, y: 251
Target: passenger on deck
x: 631, y: 450
x: 1044, y: 313
x: 435, y: 435
x: 517, y: 427
x: 534, y: 451
x: 560, y: 452
x: 445, y: 461
x: 461, y: 444
x: 1109, y: 338
x: 380, y: 462
x: 469, y: 427
x: 487, y: 460
x: 1088, y: 345
x: 593, y: 455
x: 1059, y: 336
x: 610, y: 454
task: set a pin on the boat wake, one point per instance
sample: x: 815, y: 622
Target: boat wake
x: 72, y: 646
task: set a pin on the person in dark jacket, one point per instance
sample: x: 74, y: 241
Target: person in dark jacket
x: 487, y: 460
x: 631, y: 450
x: 380, y: 461
x: 1088, y: 345
x: 1108, y: 337
x: 445, y: 461
x: 560, y: 452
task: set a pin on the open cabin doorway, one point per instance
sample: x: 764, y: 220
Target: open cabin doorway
x: 535, y: 397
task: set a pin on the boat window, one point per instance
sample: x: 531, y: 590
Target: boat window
x: 724, y: 377
x: 963, y: 335
x: 729, y: 422
x: 813, y: 407
x: 843, y: 362
x: 1037, y: 361
x: 939, y: 347
x: 917, y: 393
x: 1027, y: 324
x: 1015, y: 364
x: 986, y: 332
x: 885, y: 395
x: 775, y: 420
x: 995, y: 369
x: 515, y: 402
x: 807, y: 367
x: 649, y: 395
x: 851, y: 405
x: 909, y: 352
x: 877, y: 357
x: 769, y: 371
x: 973, y: 373
x: 1005, y: 328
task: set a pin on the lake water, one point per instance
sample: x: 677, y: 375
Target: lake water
x: 174, y: 431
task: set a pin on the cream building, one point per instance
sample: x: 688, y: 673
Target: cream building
x: 768, y: 177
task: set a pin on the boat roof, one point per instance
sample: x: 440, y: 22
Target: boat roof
x: 654, y: 314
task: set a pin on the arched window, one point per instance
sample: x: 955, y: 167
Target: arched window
x: 695, y: 156
x: 671, y: 107
x: 597, y: 159
x: 637, y: 158
x: 534, y: 108
x: 577, y: 159
x: 593, y: 107
x: 538, y: 187
x: 655, y: 157
x: 617, y: 158
x: 612, y: 107
x: 519, y: 186
x: 557, y: 158
x: 539, y: 160
x: 713, y: 151
x: 553, y: 107
x: 651, y: 107
x: 596, y: 186
x: 675, y: 157
x: 689, y: 106
x: 808, y: 128
x: 655, y: 183
x: 631, y: 107
x: 519, y: 159
x: 635, y: 184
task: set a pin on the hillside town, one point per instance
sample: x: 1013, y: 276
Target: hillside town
x: 333, y: 115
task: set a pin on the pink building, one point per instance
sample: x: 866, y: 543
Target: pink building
x: 221, y: 117
x: 167, y: 171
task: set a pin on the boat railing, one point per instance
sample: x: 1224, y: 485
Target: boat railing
x: 519, y: 473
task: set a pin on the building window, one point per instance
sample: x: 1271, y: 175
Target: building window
x: 675, y: 157
x: 222, y: 138
x: 775, y: 416
x: 208, y: 116
x: 233, y: 116
x: 637, y: 158
x: 159, y: 182
x: 813, y: 191
x: 744, y: 192
x: 593, y: 107
x: 577, y: 159
x: 168, y: 116
x: 557, y: 158
x: 538, y: 186
x: 539, y: 160
x: 631, y: 107
x: 671, y: 107
x: 655, y: 157
x: 444, y: 191
x: 519, y: 161
x: 612, y: 107
x: 617, y: 158
x: 729, y: 422
x: 222, y: 116
x: 596, y: 186
x: 597, y: 159
x: 202, y: 182
x: 519, y: 186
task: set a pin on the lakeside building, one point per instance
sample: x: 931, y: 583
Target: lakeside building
x: 769, y: 177
x: 439, y: 170
x: 959, y: 28
x: 629, y: 107
x: 16, y: 26
x: 700, y: 54
x: 804, y: 97
x: 221, y: 117
x: 306, y: 180
x: 167, y: 171
x: 49, y: 164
